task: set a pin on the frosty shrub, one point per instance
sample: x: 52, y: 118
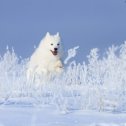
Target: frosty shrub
x: 99, y: 84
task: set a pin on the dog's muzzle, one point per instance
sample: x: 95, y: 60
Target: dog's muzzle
x: 55, y: 52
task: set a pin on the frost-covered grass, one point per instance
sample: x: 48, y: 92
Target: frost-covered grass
x: 99, y: 84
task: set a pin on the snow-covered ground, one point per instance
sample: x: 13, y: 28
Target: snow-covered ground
x: 91, y: 93
x: 49, y: 116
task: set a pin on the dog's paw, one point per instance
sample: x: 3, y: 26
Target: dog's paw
x: 59, y: 67
x: 59, y: 64
x: 59, y: 70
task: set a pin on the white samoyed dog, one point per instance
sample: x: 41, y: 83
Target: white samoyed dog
x: 47, y: 57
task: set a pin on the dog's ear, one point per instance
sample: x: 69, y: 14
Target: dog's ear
x: 47, y: 34
x: 57, y: 34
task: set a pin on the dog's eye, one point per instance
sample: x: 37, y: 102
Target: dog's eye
x: 58, y: 44
x: 51, y: 43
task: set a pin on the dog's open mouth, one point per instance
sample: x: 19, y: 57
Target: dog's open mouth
x: 55, y: 52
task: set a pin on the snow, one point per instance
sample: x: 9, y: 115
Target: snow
x: 91, y: 93
x: 49, y: 116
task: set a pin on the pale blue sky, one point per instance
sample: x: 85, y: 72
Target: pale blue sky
x: 88, y: 23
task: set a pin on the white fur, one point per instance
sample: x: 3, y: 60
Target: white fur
x: 43, y: 61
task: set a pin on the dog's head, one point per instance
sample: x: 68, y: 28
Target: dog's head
x: 53, y: 43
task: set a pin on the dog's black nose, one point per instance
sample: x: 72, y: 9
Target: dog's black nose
x: 55, y: 49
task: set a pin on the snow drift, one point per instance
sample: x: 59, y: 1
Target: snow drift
x: 99, y: 84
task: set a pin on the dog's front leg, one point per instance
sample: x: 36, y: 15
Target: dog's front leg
x: 59, y: 66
